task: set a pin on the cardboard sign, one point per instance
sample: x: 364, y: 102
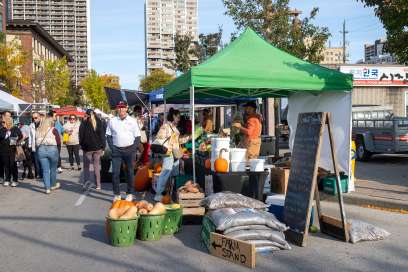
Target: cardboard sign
x: 232, y: 250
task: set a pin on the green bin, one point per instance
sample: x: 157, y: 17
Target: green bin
x: 122, y: 232
x: 172, y: 220
x: 329, y: 184
x: 150, y: 227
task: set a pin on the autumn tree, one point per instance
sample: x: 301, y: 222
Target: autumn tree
x: 12, y: 61
x: 110, y: 81
x: 394, y: 16
x: 208, y: 45
x: 185, y: 51
x: 155, y: 80
x: 93, y: 87
x: 280, y: 26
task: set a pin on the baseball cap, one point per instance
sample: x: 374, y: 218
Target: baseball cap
x: 121, y: 104
x: 251, y: 104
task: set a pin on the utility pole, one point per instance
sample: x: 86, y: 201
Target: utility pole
x: 344, y: 32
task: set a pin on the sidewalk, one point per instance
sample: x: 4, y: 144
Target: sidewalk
x: 369, y: 192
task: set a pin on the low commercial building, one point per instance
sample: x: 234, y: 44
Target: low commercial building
x: 39, y: 45
x: 380, y: 85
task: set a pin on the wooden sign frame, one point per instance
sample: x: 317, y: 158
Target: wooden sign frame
x: 328, y: 225
x: 233, y: 250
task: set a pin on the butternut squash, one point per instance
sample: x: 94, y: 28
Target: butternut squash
x: 131, y: 213
x: 113, y: 213
x: 159, y: 208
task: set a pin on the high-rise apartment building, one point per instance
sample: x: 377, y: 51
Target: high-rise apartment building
x: 163, y: 20
x: 67, y: 21
x: 332, y: 55
x: 376, y: 54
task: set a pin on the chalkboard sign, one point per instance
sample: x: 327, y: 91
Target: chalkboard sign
x: 302, y: 177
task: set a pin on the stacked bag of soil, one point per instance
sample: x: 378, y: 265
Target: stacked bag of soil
x: 243, y: 218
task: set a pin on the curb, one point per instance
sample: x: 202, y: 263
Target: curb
x: 360, y: 199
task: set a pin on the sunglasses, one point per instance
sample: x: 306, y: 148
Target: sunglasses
x: 72, y: 118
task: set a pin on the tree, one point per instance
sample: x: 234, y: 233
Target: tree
x: 57, y: 81
x: 208, y: 45
x: 94, y: 91
x: 394, y: 16
x: 185, y: 53
x: 156, y: 79
x: 12, y: 61
x: 280, y: 26
x: 111, y: 81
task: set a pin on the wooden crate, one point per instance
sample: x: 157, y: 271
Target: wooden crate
x: 200, y: 211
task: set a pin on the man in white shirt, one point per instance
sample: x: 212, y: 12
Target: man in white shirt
x: 123, y: 136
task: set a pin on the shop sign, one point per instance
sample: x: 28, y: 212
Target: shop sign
x: 377, y: 75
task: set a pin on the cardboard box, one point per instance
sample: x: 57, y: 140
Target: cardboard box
x: 279, y: 180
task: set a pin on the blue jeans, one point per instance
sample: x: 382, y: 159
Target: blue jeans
x: 48, y: 157
x: 169, y: 167
x: 127, y: 158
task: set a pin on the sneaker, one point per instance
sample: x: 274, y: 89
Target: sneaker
x: 14, y: 184
x: 59, y: 170
x: 6, y: 183
x: 116, y: 198
x: 30, y: 176
x: 129, y: 198
x: 48, y: 191
x: 72, y: 168
x: 79, y: 168
x: 158, y: 198
x: 56, y: 186
x: 98, y: 188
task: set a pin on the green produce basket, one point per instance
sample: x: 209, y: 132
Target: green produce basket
x: 150, y: 227
x: 329, y: 184
x: 172, y: 220
x: 122, y: 232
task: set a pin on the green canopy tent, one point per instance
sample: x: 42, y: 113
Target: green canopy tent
x: 251, y: 67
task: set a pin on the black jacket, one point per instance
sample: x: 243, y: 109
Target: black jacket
x: 90, y: 139
x: 5, y: 147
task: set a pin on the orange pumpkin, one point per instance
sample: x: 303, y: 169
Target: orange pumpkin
x: 166, y: 199
x: 142, y: 179
x: 207, y: 164
x: 221, y: 164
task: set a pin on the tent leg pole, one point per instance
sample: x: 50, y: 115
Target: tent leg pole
x: 193, y: 130
x: 165, y: 106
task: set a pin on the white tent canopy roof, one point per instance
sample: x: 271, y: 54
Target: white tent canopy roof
x: 9, y: 102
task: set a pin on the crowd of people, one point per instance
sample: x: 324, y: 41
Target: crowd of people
x: 36, y: 147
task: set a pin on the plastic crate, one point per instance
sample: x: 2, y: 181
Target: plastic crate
x: 122, y: 232
x: 329, y: 184
x: 150, y: 227
x: 172, y: 220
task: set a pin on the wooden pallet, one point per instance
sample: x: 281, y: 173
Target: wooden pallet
x: 191, y: 203
x: 199, y: 211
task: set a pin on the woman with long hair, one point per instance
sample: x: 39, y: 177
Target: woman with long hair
x: 47, y: 139
x: 170, y: 134
x: 92, y: 140
x: 72, y: 128
x: 10, y: 136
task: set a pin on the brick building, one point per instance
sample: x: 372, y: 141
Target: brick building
x: 39, y: 45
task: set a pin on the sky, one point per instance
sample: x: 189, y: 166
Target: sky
x: 117, y: 31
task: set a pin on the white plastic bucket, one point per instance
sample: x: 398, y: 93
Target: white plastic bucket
x: 238, y: 154
x: 219, y: 143
x: 215, y: 153
x: 257, y: 165
x: 238, y: 166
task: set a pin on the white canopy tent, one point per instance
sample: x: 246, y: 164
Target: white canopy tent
x: 10, y: 103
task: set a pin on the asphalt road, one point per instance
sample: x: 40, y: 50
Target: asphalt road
x: 41, y: 232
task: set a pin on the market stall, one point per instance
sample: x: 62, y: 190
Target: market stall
x: 252, y: 68
x: 11, y: 103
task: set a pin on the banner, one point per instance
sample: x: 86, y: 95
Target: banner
x: 377, y: 75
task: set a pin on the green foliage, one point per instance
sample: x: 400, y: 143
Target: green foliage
x: 184, y: 51
x: 57, y: 81
x: 394, y: 15
x: 93, y: 87
x: 208, y: 45
x: 276, y: 23
x: 156, y: 79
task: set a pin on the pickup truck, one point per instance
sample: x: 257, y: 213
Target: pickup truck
x: 379, y: 132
